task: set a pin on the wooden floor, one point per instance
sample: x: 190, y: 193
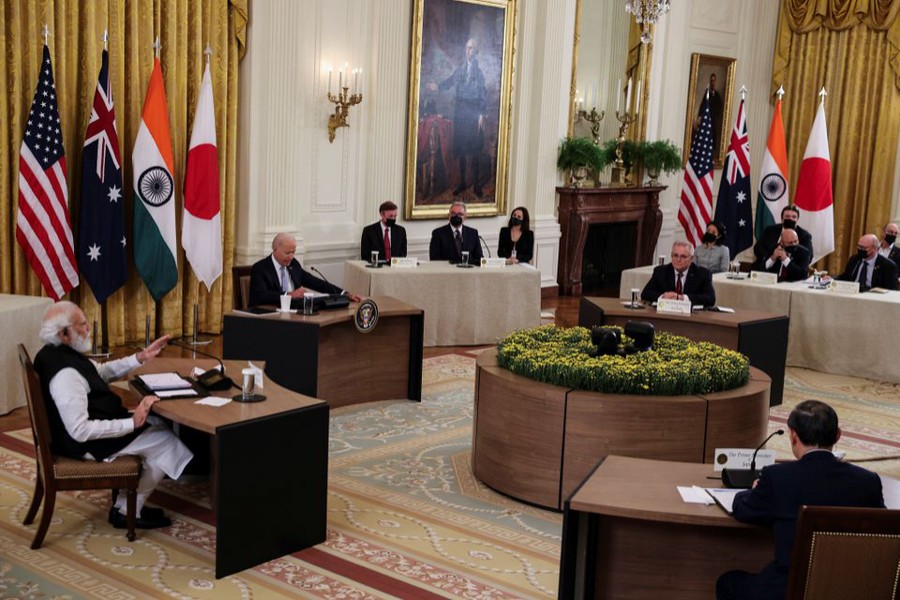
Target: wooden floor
x: 566, y: 314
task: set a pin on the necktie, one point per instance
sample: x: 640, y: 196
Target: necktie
x: 678, y: 288
x: 864, y: 274
x: 458, y: 239
x: 284, y: 280
x: 783, y: 273
x: 387, y: 244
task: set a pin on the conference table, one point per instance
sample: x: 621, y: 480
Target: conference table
x: 829, y: 331
x: 268, y: 466
x: 323, y: 355
x: 463, y: 307
x: 20, y: 321
x: 628, y: 535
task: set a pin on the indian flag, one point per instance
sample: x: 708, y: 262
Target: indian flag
x: 814, y: 194
x: 154, y: 192
x: 773, y: 184
x: 201, y: 226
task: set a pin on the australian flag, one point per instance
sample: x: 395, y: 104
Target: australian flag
x: 733, y: 204
x: 101, y: 240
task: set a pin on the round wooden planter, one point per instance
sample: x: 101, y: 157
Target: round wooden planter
x: 537, y: 442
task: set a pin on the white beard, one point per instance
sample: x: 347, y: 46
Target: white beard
x: 81, y: 343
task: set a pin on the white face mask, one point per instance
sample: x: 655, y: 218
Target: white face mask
x: 81, y: 343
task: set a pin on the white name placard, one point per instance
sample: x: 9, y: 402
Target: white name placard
x: 844, y: 287
x: 679, y: 307
x: 407, y: 262
x: 739, y: 458
x: 493, y: 263
x: 763, y: 277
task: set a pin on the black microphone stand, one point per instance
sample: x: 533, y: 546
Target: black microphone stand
x: 744, y: 478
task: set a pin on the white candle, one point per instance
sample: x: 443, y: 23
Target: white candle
x: 628, y: 96
x: 637, y: 101
x: 341, y: 80
x: 596, y: 94
x: 618, y: 94
x: 360, y: 82
x: 329, y: 79
x: 356, y: 82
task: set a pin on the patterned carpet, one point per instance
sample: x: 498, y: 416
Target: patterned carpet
x: 406, y: 518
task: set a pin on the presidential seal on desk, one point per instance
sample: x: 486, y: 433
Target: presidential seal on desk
x: 366, y: 316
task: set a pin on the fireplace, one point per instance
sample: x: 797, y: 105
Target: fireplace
x: 608, y: 250
x: 634, y: 218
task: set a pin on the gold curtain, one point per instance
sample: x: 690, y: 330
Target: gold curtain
x: 184, y: 27
x: 852, y: 48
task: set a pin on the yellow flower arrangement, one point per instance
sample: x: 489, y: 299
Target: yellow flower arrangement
x: 675, y: 366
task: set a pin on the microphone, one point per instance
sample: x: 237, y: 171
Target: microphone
x: 744, y: 478
x: 486, y: 247
x: 325, y: 279
x: 212, y: 379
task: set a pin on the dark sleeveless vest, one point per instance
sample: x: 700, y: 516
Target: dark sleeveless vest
x: 103, y: 404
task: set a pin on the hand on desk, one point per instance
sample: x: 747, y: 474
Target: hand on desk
x: 354, y: 297
x: 139, y: 416
x: 672, y: 296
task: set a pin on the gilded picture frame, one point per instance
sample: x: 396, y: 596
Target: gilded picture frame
x: 703, y: 68
x: 460, y: 101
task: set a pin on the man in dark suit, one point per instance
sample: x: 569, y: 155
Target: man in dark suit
x: 869, y: 268
x: 816, y: 478
x: 789, y: 260
x: 451, y: 240
x: 280, y: 273
x: 887, y: 248
x: 385, y: 236
x: 790, y: 214
x: 681, y: 279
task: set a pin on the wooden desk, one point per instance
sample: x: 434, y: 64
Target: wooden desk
x: 269, y: 467
x: 322, y: 355
x: 628, y: 535
x: 761, y: 336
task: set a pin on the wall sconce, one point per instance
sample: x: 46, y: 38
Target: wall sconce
x: 343, y: 100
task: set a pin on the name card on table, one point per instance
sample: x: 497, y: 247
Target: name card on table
x: 763, y: 277
x: 739, y: 458
x: 844, y: 287
x: 678, y: 307
x: 493, y: 263
x: 407, y: 262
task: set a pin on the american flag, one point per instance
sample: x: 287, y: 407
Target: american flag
x: 696, y: 192
x: 43, y: 226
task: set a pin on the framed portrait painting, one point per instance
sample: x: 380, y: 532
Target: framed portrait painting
x: 715, y: 73
x: 460, y: 88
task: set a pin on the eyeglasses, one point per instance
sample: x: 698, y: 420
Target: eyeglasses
x: 681, y: 256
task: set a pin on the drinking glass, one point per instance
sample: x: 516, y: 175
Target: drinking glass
x: 465, y: 257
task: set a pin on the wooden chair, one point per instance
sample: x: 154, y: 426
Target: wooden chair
x: 842, y: 553
x: 240, y: 285
x: 57, y: 473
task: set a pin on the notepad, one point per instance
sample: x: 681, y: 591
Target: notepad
x: 158, y: 382
x: 724, y: 497
x: 180, y: 393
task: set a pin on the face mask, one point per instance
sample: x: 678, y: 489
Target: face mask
x: 789, y: 249
x: 862, y: 252
x: 789, y: 224
x: 390, y: 222
x: 890, y: 238
x: 456, y: 220
x: 709, y: 238
x: 513, y: 221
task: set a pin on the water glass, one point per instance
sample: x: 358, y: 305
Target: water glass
x: 465, y: 257
x: 634, y: 297
x: 248, y: 383
x: 285, y: 302
x: 373, y: 260
x: 307, y: 304
x: 661, y: 260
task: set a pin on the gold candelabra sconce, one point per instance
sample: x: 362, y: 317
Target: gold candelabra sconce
x: 343, y: 100
x: 593, y: 117
x: 619, y: 179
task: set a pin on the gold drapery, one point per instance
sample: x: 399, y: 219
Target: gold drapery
x: 852, y: 48
x: 76, y: 28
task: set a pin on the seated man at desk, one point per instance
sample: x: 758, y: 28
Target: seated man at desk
x: 888, y: 247
x: 789, y: 260
x: 681, y: 279
x: 280, y: 273
x: 870, y: 268
x: 454, y: 238
x: 816, y: 478
x: 87, y: 419
x: 790, y: 214
x: 385, y: 236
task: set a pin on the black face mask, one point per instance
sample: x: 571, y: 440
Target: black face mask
x: 789, y: 223
x: 890, y: 238
x: 709, y: 238
x: 863, y: 253
x: 513, y: 221
x: 456, y: 220
x: 390, y: 222
x: 790, y: 249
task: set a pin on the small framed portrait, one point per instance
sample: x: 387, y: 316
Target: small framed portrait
x: 460, y: 90
x: 715, y: 74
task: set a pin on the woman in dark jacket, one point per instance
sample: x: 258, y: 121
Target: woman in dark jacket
x: 517, y: 240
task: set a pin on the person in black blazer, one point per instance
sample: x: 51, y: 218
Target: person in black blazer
x: 519, y: 227
x: 789, y: 260
x: 887, y: 247
x: 443, y: 239
x: 265, y: 276
x: 816, y: 478
x: 880, y: 271
x: 772, y: 234
x: 373, y: 235
x: 696, y: 283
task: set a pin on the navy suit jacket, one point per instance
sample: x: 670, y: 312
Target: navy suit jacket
x: 265, y: 282
x: 817, y: 479
x: 884, y: 275
x: 797, y: 269
x: 772, y: 236
x: 697, y: 284
x: 443, y: 246
x: 373, y: 239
